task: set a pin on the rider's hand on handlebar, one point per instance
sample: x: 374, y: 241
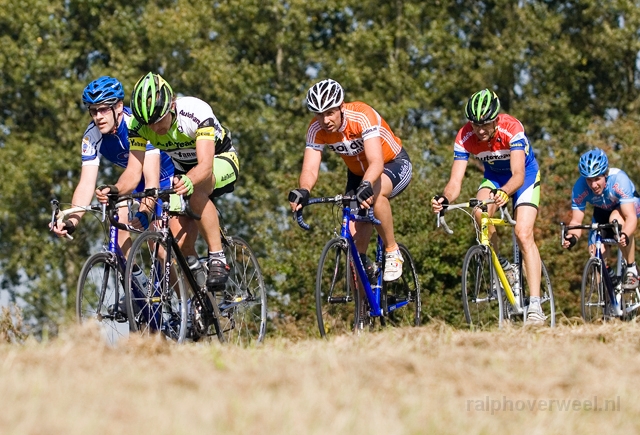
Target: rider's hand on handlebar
x: 298, y: 198
x: 364, y: 194
x: 569, y: 241
x: 500, y: 197
x: 141, y: 221
x: 438, y: 202
x: 183, y: 185
x: 62, y: 229
x: 104, y: 191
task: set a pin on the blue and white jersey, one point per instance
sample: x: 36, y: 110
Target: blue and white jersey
x: 115, y: 148
x: 619, y: 190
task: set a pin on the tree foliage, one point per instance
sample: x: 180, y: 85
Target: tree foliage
x: 567, y: 70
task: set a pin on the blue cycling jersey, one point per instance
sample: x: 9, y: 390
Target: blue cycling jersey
x: 115, y: 148
x: 619, y: 190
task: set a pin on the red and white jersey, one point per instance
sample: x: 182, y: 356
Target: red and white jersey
x: 496, y: 152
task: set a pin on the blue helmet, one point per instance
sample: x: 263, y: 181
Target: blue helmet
x: 593, y: 163
x: 103, y: 90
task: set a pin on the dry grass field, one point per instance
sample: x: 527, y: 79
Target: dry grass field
x: 434, y: 379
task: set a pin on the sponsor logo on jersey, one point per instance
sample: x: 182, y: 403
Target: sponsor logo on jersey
x: 578, y: 200
x: 619, y: 191
x: 191, y: 116
x: 350, y: 148
x: 370, y: 130
x: 87, y: 147
x: 467, y: 136
x: 183, y: 154
x: 491, y: 157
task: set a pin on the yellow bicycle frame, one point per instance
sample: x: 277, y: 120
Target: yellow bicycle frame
x: 485, y: 222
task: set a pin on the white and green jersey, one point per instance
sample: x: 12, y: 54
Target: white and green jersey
x: 193, y: 120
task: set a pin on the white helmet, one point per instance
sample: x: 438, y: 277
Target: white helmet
x: 324, y: 95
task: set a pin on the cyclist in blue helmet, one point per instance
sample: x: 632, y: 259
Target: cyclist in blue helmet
x: 108, y: 136
x: 613, y: 196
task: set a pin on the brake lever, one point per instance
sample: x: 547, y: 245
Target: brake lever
x: 55, y: 206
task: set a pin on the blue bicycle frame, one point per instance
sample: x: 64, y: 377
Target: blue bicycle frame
x: 372, y: 292
x: 599, y: 241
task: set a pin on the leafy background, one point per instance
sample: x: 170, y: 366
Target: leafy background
x: 567, y: 69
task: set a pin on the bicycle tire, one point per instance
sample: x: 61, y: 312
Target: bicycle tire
x: 243, y: 303
x: 629, y: 303
x: 162, y: 306
x: 405, y: 288
x: 99, y: 287
x: 334, y: 292
x: 547, y: 299
x: 481, y: 295
x: 592, y: 302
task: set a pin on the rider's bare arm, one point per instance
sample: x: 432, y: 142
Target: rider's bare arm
x: 517, y: 172
x: 452, y: 189
x: 81, y: 196
x: 375, y: 159
x: 628, y: 213
x: 576, y: 219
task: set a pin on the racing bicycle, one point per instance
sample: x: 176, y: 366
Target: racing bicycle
x: 235, y: 313
x: 602, y: 296
x: 347, y: 297
x: 488, y: 297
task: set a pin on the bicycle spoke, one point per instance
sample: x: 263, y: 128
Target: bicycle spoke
x: 243, y: 303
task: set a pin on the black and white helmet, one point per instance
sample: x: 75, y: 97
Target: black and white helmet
x: 324, y: 95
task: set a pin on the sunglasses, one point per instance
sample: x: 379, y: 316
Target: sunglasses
x: 103, y: 110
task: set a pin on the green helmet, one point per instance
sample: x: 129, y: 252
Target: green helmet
x: 482, y: 107
x: 151, y: 99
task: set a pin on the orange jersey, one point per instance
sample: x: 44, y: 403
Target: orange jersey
x: 359, y: 123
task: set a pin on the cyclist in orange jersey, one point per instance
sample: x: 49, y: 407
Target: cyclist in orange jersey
x: 378, y: 167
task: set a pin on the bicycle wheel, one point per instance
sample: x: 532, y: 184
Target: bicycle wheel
x: 157, y: 301
x: 405, y: 290
x: 335, y: 300
x: 592, y: 301
x: 481, y: 296
x: 99, y: 288
x: 243, y: 303
x: 629, y: 303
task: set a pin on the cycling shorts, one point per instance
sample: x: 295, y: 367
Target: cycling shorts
x: 399, y: 170
x: 529, y: 192
x: 225, y: 169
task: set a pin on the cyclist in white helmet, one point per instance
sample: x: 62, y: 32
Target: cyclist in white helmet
x: 378, y: 167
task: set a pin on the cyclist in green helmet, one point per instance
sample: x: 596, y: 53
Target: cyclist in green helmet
x: 206, y: 163
x: 510, y: 171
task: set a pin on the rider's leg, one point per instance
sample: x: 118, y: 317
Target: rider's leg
x: 382, y: 192
x: 628, y: 253
x: 525, y: 217
x: 185, y: 231
x: 124, y: 238
x: 482, y: 194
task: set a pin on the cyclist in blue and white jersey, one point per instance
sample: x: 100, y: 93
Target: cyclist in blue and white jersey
x: 108, y: 136
x: 614, y: 197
